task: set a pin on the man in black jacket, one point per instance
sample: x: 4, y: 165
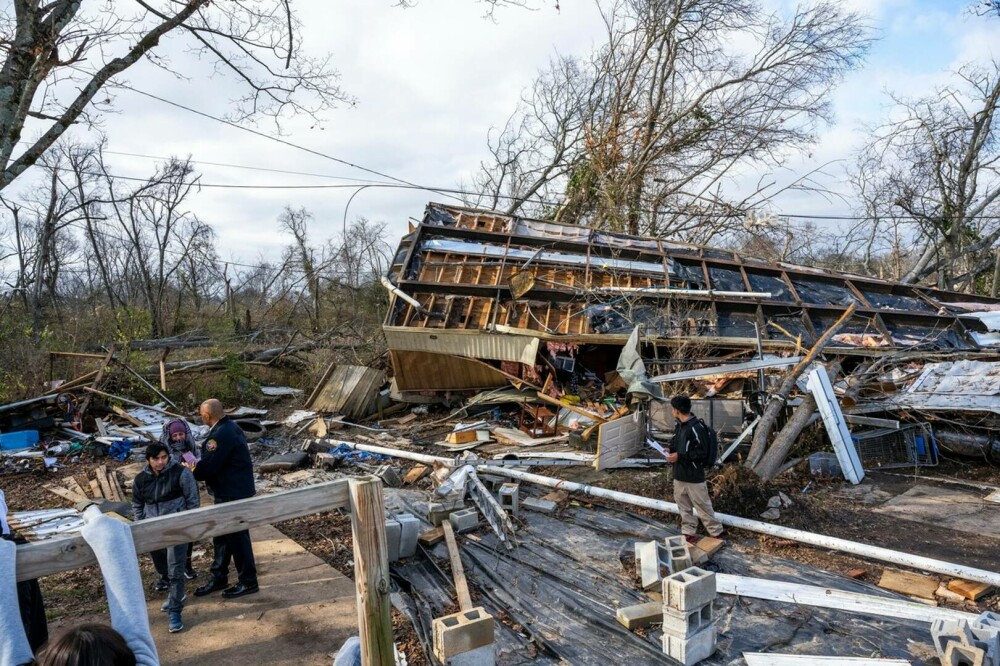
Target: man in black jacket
x: 227, y: 470
x: 689, y: 455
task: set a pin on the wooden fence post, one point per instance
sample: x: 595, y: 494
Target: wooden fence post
x: 371, y: 571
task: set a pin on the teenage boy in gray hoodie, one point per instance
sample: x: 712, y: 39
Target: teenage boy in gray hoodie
x: 164, y: 487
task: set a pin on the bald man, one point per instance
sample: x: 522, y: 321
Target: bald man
x: 227, y: 470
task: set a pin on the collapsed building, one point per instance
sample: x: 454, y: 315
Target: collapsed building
x: 484, y: 300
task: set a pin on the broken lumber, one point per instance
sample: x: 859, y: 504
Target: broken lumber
x: 431, y: 537
x: 640, y: 615
x: 970, y: 590
x: 826, y: 597
x: 371, y: 571
x: 461, y: 437
x: 131, y: 402
x: 573, y: 408
x: 65, y: 493
x: 457, y: 570
x: 910, y: 584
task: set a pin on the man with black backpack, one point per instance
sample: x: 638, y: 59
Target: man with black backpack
x: 693, y: 450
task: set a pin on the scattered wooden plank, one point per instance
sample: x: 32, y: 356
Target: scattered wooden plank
x: 416, y: 473
x: 128, y: 417
x: 513, y: 437
x: 968, y: 589
x: 95, y: 489
x: 573, y: 408
x: 557, y: 496
x: 709, y: 545
x: 102, y: 480
x: 65, y: 493
x: 117, y: 485
x: 74, y: 485
x: 948, y: 595
x: 457, y: 570
x: 431, y: 537
x: 910, y: 584
x: 462, y: 437
x: 856, y: 573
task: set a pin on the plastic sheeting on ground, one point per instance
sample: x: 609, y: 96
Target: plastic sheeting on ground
x: 564, y: 581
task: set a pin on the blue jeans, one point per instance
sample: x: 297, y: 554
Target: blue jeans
x: 349, y: 654
x: 176, y: 559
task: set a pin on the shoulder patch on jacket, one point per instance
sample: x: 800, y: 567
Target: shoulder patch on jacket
x: 210, y: 445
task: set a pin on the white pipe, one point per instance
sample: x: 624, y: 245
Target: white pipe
x: 399, y: 292
x: 828, y: 597
x: 818, y: 540
x: 392, y: 453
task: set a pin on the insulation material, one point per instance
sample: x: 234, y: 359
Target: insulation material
x: 620, y: 439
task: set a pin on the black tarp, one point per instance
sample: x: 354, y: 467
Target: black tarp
x: 567, y: 576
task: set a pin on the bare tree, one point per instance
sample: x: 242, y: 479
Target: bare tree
x: 59, y: 56
x: 936, y: 167
x: 672, y: 105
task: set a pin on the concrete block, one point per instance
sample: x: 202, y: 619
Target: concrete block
x: 393, y: 533
x: 465, y: 520
x: 653, y: 563
x: 689, y: 651
x: 976, y: 636
x: 679, y: 558
x: 481, y: 656
x: 462, y: 632
x: 689, y: 589
x: 963, y: 655
x: 988, y: 619
x: 508, y: 496
x: 675, y: 541
x: 410, y: 525
x: 389, y: 476
x: 640, y: 615
x: 684, y: 624
x: 540, y: 505
x: 438, y: 512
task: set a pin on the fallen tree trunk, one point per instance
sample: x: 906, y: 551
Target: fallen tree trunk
x: 776, y: 402
x: 262, y: 357
x: 783, y: 442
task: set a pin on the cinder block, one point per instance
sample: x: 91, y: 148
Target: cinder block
x: 988, y: 619
x: 481, y: 656
x: 410, y: 525
x: 679, y: 559
x: 437, y: 513
x: 389, y: 476
x: 461, y: 632
x: 675, y: 541
x: 691, y: 650
x: 963, y: 655
x: 465, y: 520
x: 640, y: 615
x: 653, y: 562
x: 689, y: 589
x: 393, y: 532
x: 509, y: 498
x: 540, y: 505
x: 684, y: 624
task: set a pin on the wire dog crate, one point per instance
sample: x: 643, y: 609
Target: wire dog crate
x: 910, y: 446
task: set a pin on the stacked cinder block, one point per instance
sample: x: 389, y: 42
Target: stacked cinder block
x: 688, y: 627
x: 961, y: 643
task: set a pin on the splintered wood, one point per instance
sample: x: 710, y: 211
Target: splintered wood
x: 104, y: 485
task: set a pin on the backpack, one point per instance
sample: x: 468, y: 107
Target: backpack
x: 713, y: 445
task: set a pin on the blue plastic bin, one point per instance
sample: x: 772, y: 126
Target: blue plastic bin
x: 22, y: 439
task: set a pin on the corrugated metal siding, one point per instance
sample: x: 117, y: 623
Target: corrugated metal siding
x: 498, y: 347
x: 422, y: 371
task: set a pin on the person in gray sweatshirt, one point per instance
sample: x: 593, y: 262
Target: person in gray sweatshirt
x: 164, y: 487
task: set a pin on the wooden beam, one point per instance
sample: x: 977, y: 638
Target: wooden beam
x: 98, y: 378
x: 573, y: 408
x: 55, y: 555
x: 371, y: 571
x: 65, y: 493
x: 131, y: 402
x: 457, y: 570
x: 76, y: 354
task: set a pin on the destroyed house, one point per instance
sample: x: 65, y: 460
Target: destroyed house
x: 480, y: 297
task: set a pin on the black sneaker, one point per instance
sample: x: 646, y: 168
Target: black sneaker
x: 162, y: 585
x: 211, y: 586
x: 190, y: 574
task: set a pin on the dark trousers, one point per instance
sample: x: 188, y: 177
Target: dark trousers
x: 29, y: 597
x: 235, y: 547
x: 159, y: 558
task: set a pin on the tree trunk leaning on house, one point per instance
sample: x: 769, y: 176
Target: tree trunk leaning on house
x: 776, y: 402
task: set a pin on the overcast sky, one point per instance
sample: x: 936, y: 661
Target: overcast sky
x: 430, y: 82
